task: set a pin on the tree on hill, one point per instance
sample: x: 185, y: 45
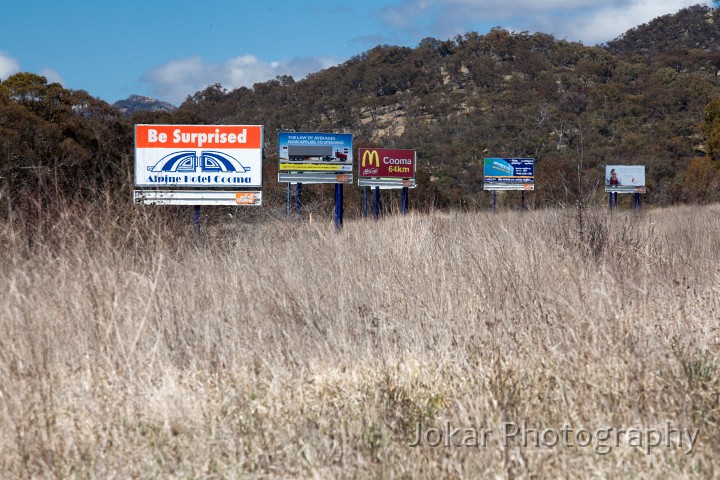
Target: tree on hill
x: 711, y: 129
x: 56, y: 144
x: 690, y: 28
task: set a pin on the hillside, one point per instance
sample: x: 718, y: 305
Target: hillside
x: 511, y: 94
x: 691, y: 29
x: 575, y: 108
x: 139, y: 103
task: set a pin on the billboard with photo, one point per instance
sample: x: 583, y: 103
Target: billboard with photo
x: 228, y: 156
x: 386, y: 168
x: 625, y: 178
x: 306, y: 157
x: 509, y: 174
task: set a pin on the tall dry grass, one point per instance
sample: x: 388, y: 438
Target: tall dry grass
x: 134, y: 348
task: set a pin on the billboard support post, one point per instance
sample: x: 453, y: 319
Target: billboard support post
x: 522, y: 201
x: 615, y: 195
x: 196, y: 219
x: 376, y: 204
x: 494, y: 201
x: 298, y: 199
x: 287, y: 202
x: 610, y: 200
x: 404, y: 200
x: 338, y: 206
x: 364, y: 205
x: 637, y: 200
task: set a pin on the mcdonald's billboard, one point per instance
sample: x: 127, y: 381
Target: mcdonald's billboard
x: 386, y: 163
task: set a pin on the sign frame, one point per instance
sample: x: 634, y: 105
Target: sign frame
x: 629, y: 178
x: 315, y: 157
x: 168, y: 157
x: 516, y: 173
x: 198, y: 156
x: 377, y: 167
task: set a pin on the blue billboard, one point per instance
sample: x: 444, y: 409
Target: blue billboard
x: 309, y: 157
x: 509, y: 174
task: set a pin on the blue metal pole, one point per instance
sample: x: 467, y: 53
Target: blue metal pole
x: 404, y: 201
x: 637, y: 200
x: 494, y: 201
x: 376, y: 204
x: 615, y: 195
x: 196, y: 218
x: 364, y: 206
x: 342, y: 203
x: 610, y: 200
x: 338, y: 206
x: 522, y: 201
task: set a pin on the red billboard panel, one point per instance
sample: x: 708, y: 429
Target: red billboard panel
x: 386, y: 163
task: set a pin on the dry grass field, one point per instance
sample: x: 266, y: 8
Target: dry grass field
x: 130, y: 348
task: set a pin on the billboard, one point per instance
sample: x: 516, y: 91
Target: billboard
x: 509, y: 174
x: 315, y: 157
x: 386, y: 168
x: 625, y: 178
x: 228, y: 156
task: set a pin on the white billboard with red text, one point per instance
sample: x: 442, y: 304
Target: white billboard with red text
x: 228, y: 156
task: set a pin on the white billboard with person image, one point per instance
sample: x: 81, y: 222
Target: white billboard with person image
x: 625, y: 178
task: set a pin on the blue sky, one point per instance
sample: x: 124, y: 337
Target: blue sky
x: 169, y: 49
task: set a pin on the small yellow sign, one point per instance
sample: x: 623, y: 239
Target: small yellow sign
x: 310, y: 167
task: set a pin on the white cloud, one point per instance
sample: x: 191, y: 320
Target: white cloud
x: 8, y: 66
x: 177, y: 79
x: 608, y: 22
x: 52, y: 76
x: 588, y: 21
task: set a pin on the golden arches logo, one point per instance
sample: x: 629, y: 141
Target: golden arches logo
x: 371, y: 156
